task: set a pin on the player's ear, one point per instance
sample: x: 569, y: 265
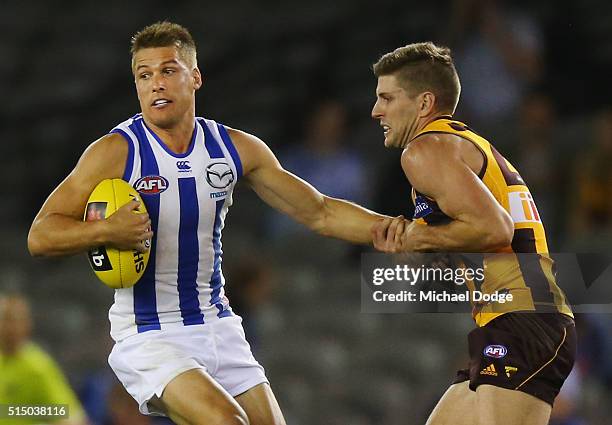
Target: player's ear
x: 197, y: 78
x: 427, y: 103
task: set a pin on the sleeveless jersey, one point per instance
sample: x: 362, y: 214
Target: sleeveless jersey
x: 528, y: 276
x: 187, y: 197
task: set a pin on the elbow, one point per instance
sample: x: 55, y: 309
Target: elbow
x: 500, y: 235
x: 319, y: 226
x: 318, y: 220
x: 36, y: 245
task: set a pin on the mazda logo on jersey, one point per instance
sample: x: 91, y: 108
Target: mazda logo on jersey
x: 151, y: 185
x: 219, y: 175
x: 183, y: 166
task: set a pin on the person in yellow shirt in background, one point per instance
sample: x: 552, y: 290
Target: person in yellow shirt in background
x: 28, y: 375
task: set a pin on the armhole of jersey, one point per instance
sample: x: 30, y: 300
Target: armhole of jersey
x: 485, y: 159
x: 129, y: 163
x: 227, y: 141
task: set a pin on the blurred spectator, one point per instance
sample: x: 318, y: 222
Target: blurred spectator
x: 28, y: 375
x: 538, y: 158
x: 498, y: 52
x: 108, y: 403
x: 565, y: 409
x: 590, y: 225
x: 94, y: 394
x: 326, y: 159
x: 594, y: 347
x: 249, y: 288
x: 580, y: 399
x: 123, y: 409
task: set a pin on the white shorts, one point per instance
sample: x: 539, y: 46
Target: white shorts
x: 145, y: 363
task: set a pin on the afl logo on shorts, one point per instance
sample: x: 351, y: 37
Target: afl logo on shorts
x: 495, y: 351
x: 151, y: 185
x: 219, y: 175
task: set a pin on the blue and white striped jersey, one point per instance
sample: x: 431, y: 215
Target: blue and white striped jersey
x: 187, y: 197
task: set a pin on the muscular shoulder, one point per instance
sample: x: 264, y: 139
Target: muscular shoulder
x: 111, y: 146
x: 430, y: 149
x: 252, y: 150
x: 432, y: 152
x: 105, y: 157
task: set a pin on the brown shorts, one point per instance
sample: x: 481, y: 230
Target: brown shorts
x: 524, y: 351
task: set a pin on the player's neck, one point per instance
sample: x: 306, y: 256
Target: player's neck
x: 176, y: 138
x: 425, y: 121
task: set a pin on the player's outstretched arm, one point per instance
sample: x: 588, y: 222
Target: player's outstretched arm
x: 59, y: 229
x: 295, y: 197
x: 434, y: 166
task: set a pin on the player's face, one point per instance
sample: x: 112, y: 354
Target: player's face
x: 15, y: 324
x: 396, y: 111
x: 166, y: 85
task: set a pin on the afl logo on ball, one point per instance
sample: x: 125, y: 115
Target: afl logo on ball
x: 495, y: 351
x: 219, y: 175
x: 151, y: 185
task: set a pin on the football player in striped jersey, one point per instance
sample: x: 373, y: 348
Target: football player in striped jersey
x: 180, y: 350
x: 469, y: 199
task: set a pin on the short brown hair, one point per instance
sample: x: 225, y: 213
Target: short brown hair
x: 166, y: 34
x: 425, y: 67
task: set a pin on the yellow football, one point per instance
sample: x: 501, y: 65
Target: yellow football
x: 115, y: 268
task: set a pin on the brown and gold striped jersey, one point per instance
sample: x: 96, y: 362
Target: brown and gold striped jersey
x: 524, y: 268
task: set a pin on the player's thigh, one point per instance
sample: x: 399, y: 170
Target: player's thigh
x: 194, y: 398
x: 501, y: 406
x: 261, y: 406
x: 456, y: 407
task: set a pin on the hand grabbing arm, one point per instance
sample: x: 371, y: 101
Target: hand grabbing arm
x: 435, y: 167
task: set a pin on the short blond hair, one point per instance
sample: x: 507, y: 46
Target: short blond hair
x: 166, y: 34
x: 423, y: 67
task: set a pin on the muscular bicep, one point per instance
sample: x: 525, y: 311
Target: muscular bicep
x: 103, y: 159
x: 298, y: 199
x: 438, y: 171
x: 286, y: 192
x: 276, y: 186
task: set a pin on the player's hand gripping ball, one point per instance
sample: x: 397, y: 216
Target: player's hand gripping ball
x: 115, y: 268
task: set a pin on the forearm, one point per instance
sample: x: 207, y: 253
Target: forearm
x: 456, y: 236
x: 345, y: 220
x: 56, y: 234
x: 325, y: 215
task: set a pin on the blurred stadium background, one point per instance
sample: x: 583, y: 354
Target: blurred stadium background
x: 536, y: 82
